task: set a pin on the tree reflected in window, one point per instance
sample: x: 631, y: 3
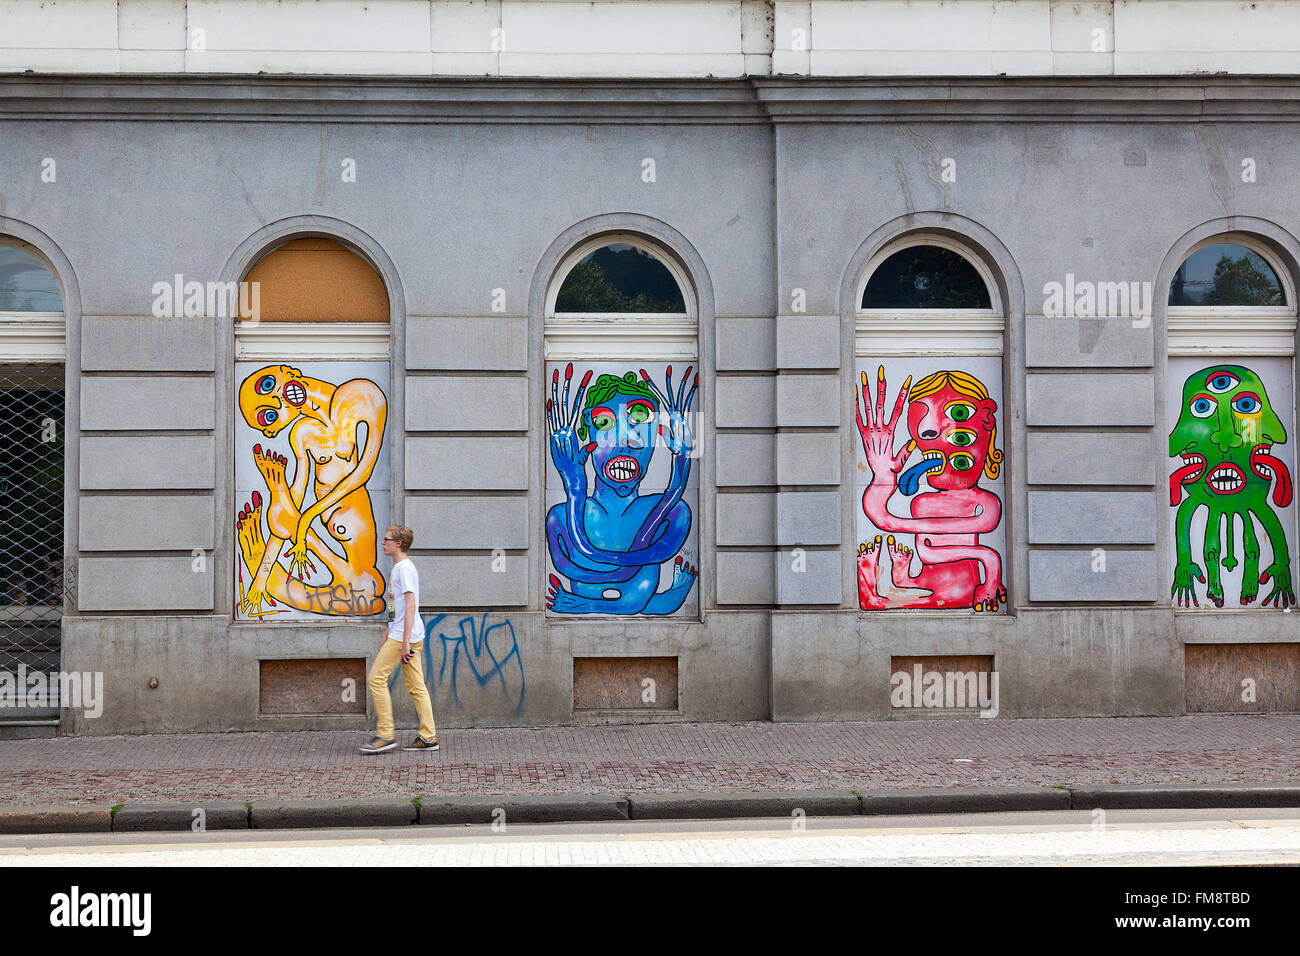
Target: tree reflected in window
x: 1225, y: 274
x: 926, y: 277
x: 620, y: 278
x: 26, y: 285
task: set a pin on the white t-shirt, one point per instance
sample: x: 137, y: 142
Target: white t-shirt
x: 405, y: 578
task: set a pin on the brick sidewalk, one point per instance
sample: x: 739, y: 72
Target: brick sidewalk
x: 657, y: 758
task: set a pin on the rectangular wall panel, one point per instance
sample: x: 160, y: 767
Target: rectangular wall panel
x: 1092, y: 517
x: 131, y: 343
x: 469, y: 521
x: 169, y: 583
x: 1098, y: 574
x: 1101, y: 458
x: 132, y: 403
x: 147, y: 462
x: 1091, y: 399
x: 452, y: 403
x: 469, y: 464
x: 495, y: 342
x: 145, y: 522
x: 472, y: 581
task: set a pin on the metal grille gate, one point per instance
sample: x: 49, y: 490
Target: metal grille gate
x: 31, y: 530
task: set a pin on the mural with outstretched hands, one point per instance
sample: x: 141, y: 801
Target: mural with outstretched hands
x: 622, y: 493
x: 930, y: 526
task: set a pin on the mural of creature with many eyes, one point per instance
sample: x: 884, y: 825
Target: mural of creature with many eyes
x: 1226, y: 430
x: 951, y: 418
x: 609, y: 537
x: 317, y: 499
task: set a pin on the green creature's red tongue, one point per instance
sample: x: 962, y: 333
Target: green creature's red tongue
x: 1282, y: 488
x: 1180, y: 478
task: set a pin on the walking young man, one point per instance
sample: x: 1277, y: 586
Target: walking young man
x: 401, y: 645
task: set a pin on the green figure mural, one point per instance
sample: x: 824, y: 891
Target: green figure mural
x: 1226, y: 428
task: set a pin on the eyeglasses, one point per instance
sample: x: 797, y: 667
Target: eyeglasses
x: 390, y: 539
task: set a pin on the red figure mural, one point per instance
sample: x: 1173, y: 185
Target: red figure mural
x: 952, y: 423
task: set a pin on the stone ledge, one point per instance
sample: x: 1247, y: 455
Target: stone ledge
x: 984, y: 800
x: 710, y: 806
x: 1185, y: 796
x: 394, y: 812
x: 96, y: 818
x: 217, y: 815
x: 522, y: 808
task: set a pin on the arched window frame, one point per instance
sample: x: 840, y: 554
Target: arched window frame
x: 1240, y: 329
x: 32, y: 336
x: 312, y: 341
x: 650, y: 336
x: 945, y: 331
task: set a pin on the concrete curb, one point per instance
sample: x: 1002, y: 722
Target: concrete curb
x: 715, y: 806
x: 983, y: 800
x: 522, y: 808
x: 1187, y: 796
x: 95, y: 818
x: 393, y: 812
x: 436, y: 809
x: 217, y: 815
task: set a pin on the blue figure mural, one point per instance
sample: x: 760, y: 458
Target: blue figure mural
x: 607, y: 537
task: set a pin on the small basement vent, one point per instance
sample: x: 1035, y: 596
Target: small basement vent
x: 625, y: 683
x: 1242, y: 678
x: 329, y: 686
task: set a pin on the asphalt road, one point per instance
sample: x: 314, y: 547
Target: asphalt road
x: 1097, y: 838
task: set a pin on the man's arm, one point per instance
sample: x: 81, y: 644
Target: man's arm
x: 408, y: 622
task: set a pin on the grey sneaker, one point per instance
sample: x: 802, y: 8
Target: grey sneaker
x: 419, y: 743
x: 378, y: 745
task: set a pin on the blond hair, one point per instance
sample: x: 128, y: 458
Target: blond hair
x: 403, y: 535
x: 968, y: 385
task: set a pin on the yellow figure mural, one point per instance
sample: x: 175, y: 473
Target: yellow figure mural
x: 335, y: 432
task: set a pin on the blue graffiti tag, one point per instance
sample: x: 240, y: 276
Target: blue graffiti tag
x: 489, y: 653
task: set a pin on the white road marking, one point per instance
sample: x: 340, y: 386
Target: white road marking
x: 1217, y: 842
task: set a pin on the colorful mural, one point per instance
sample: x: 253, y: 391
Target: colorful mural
x: 946, y: 551
x: 614, y: 546
x: 311, y: 473
x: 1233, y: 479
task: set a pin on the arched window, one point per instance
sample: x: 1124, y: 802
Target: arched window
x: 620, y: 278
x: 928, y: 389
x: 623, y: 431
x: 1230, y: 292
x: 927, y: 276
x: 1223, y: 273
x: 31, y: 465
x: 26, y: 282
x: 310, y: 441
x: 620, y: 295
x: 31, y: 305
x: 1232, y: 513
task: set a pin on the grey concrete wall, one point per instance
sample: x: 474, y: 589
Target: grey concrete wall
x: 773, y: 194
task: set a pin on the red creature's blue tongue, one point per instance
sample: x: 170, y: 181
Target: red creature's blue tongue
x: 910, y: 480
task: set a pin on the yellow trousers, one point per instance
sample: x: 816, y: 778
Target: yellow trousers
x: 388, y: 660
